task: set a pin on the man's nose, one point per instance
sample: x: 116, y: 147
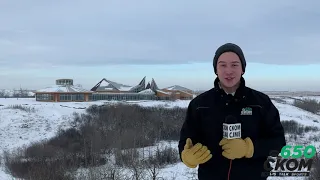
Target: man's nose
x: 228, y: 70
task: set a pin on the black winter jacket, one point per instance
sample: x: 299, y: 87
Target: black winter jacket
x: 205, y: 116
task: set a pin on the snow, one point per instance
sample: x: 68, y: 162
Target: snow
x: 187, y: 93
x: 63, y: 88
x: 31, y: 93
x: 4, y: 176
x: 170, y: 88
x: 309, y: 97
x: 125, y: 88
x: 164, y: 92
x: 147, y: 91
x: 110, y: 85
x: 296, y: 114
x: 104, y: 83
x: 167, y: 104
x: 19, y: 128
x: 177, y: 87
x: 108, y: 89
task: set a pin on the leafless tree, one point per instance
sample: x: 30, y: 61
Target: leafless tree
x: 2, y: 93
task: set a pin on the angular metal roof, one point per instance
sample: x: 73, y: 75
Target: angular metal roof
x: 62, y: 89
x: 147, y: 91
x: 177, y: 87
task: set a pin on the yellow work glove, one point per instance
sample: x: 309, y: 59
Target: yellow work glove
x: 192, y: 156
x: 237, y: 148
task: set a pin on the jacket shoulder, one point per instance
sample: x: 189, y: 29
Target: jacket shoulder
x: 202, y: 99
x: 260, y: 97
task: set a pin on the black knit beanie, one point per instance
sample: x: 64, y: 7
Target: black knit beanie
x: 229, y: 47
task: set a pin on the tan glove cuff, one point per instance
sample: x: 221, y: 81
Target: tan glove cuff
x: 186, y: 163
x: 189, y: 165
x: 250, y: 147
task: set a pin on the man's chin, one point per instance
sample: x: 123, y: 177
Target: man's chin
x: 228, y: 85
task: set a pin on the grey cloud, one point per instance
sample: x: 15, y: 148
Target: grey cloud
x: 79, y: 33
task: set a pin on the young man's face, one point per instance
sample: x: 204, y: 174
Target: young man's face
x: 229, y: 69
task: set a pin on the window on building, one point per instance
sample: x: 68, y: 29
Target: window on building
x: 71, y: 97
x: 44, y: 97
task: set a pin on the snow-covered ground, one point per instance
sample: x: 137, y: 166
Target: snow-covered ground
x: 19, y: 128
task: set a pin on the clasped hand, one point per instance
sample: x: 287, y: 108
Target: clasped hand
x: 193, y: 155
x: 237, y: 148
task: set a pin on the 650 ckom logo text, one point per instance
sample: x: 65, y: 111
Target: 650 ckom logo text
x: 292, y: 163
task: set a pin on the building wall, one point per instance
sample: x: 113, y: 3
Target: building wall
x: 166, y: 90
x: 72, y: 93
x: 176, y: 95
x: 113, y: 91
x: 179, y: 94
x: 47, y: 97
x: 121, y: 96
x: 86, y: 97
x: 107, y: 91
x: 55, y: 97
x: 184, y: 95
x: 160, y: 94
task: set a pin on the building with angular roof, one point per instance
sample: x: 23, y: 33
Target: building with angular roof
x: 110, y: 86
x: 179, y: 92
x: 105, y: 89
x: 178, y: 88
x: 110, y: 90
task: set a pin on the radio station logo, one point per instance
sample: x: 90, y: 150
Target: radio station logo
x: 296, y: 162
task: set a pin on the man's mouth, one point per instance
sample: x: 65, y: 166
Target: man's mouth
x: 229, y: 78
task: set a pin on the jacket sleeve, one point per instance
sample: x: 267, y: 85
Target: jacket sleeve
x: 189, y: 127
x: 273, y: 136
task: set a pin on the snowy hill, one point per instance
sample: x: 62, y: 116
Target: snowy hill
x: 23, y: 121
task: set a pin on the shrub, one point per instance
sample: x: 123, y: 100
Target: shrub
x: 97, y: 133
x: 34, y: 169
x: 163, y: 157
x: 315, y: 138
x: 126, y: 158
x: 293, y: 127
x: 315, y: 171
x: 22, y: 108
x: 278, y: 100
x: 307, y: 104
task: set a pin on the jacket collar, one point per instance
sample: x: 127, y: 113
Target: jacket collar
x: 240, y: 92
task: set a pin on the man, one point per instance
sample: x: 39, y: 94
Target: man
x: 201, y: 138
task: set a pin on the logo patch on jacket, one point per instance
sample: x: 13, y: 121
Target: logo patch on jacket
x: 246, y: 111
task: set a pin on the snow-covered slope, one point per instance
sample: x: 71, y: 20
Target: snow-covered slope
x: 42, y: 120
x: 39, y: 121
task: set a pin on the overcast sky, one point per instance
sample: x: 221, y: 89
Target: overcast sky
x: 170, y: 41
